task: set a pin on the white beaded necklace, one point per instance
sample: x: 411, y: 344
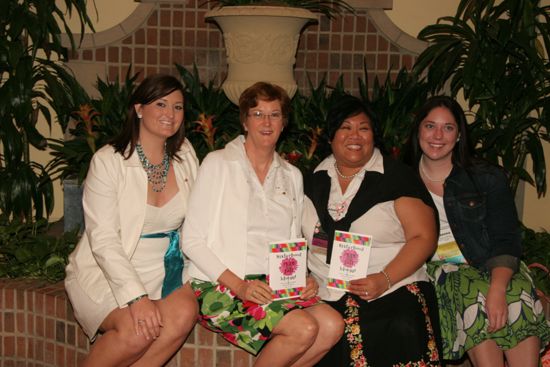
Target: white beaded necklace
x: 342, y: 175
x: 423, y: 171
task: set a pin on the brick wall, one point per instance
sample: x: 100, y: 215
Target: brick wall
x: 159, y: 34
x: 37, y: 329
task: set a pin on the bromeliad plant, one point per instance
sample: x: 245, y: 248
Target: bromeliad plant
x: 497, y: 55
x: 211, y: 119
x: 305, y: 141
x: 96, y: 122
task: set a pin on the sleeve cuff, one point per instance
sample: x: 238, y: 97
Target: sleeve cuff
x: 507, y: 261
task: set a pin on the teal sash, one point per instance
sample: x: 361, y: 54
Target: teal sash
x: 173, y: 261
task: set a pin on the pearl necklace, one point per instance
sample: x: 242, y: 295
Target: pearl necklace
x: 344, y: 176
x: 156, y: 173
x: 423, y: 171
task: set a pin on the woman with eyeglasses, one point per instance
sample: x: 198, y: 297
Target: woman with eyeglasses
x: 245, y: 197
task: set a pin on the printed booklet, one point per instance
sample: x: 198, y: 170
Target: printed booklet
x: 349, y: 259
x: 287, y: 268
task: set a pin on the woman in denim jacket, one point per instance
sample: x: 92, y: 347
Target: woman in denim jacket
x: 487, y: 302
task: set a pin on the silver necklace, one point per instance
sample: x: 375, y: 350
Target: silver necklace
x: 156, y: 173
x: 423, y: 171
x: 342, y: 175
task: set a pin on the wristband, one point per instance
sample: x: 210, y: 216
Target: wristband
x: 131, y: 302
x: 383, y: 272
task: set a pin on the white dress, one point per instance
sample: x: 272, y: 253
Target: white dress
x: 148, y: 261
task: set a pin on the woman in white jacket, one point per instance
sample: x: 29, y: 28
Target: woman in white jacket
x: 125, y: 278
x: 245, y: 197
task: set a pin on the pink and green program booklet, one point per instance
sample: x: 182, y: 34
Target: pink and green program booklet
x: 349, y: 259
x: 287, y: 268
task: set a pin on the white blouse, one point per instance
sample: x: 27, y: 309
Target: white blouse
x: 381, y: 222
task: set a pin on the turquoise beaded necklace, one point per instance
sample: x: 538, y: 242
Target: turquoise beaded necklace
x: 156, y: 173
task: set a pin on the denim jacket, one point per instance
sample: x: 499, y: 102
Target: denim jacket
x: 483, y: 218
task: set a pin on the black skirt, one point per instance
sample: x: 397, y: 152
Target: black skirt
x: 399, y: 329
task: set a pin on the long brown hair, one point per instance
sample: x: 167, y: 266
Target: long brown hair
x: 149, y: 90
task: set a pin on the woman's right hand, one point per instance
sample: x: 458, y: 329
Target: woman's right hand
x: 255, y: 291
x: 147, y: 318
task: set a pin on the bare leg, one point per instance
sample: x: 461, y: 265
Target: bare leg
x: 486, y: 354
x: 331, y: 328
x: 290, y: 339
x: 179, y: 313
x: 120, y: 346
x: 525, y: 354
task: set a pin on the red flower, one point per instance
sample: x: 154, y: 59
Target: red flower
x: 256, y: 311
x: 293, y: 157
x: 395, y: 151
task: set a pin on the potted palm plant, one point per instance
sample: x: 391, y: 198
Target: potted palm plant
x: 31, y: 83
x: 261, y: 38
x: 496, y: 54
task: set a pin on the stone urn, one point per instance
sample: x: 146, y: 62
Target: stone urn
x: 261, y: 44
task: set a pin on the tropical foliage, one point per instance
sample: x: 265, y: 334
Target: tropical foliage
x: 95, y: 121
x: 31, y: 82
x: 210, y: 117
x: 536, y: 254
x: 27, y: 250
x: 497, y: 55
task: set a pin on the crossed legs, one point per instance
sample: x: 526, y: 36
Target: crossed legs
x: 120, y: 346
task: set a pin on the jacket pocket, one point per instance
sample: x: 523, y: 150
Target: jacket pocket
x: 473, y: 207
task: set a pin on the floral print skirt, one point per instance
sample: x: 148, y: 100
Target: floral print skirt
x: 398, y: 329
x: 244, y: 324
x: 461, y: 291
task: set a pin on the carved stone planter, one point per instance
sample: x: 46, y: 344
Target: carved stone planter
x: 261, y: 43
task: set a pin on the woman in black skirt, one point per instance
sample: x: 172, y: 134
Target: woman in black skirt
x: 391, y: 314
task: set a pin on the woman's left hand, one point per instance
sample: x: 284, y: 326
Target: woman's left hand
x: 311, y: 289
x: 497, y: 309
x: 370, y: 287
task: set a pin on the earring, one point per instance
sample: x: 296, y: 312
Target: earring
x: 458, y: 139
x: 139, y: 115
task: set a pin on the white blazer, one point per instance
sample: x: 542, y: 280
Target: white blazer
x: 214, y: 235
x: 114, y: 201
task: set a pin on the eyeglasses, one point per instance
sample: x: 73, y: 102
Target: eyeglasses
x: 259, y: 115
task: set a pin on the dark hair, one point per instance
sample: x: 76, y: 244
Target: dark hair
x: 348, y: 106
x: 263, y: 91
x: 149, y: 90
x: 461, y: 155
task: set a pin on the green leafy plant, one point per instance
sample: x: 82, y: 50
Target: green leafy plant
x: 536, y: 254
x: 305, y: 141
x: 394, y: 100
x: 329, y: 8
x: 497, y: 55
x: 97, y: 121
x: 31, y: 81
x: 27, y: 250
x: 211, y: 119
